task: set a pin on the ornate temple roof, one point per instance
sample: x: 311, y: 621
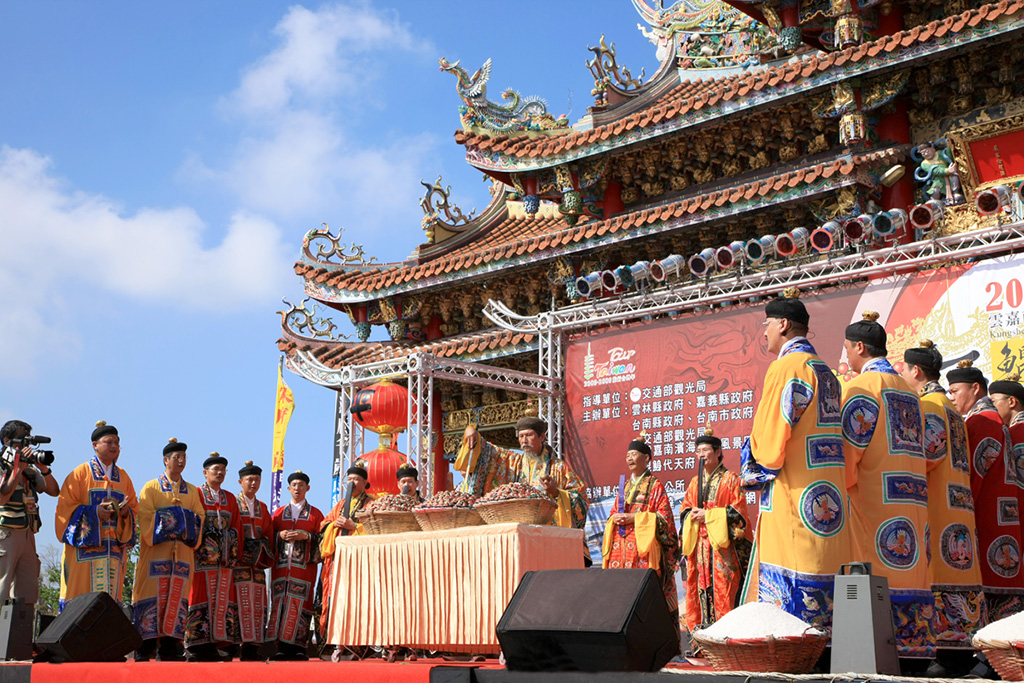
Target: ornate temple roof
x: 513, y: 240
x: 699, y: 101
x: 481, y: 345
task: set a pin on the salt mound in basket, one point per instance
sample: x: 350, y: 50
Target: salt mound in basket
x: 761, y: 637
x: 756, y: 620
x: 1003, y: 644
x: 1008, y: 629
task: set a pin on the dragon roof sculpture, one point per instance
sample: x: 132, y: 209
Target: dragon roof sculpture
x: 521, y: 114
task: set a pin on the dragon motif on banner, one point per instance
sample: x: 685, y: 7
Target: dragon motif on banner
x: 521, y: 114
x: 706, y: 34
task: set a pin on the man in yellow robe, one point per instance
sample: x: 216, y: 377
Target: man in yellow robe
x: 954, y: 572
x: 795, y: 457
x: 887, y: 481
x: 95, y: 520
x: 170, y: 529
x: 487, y: 466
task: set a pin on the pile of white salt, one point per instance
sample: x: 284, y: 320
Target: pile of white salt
x: 756, y: 620
x: 1010, y: 629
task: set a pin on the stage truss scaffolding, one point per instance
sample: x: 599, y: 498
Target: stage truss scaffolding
x: 421, y: 370
x: 827, y: 270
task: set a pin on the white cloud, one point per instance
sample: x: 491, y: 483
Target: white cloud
x: 56, y: 239
x: 319, y: 56
x: 303, y: 156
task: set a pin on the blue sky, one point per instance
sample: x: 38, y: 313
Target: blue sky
x: 160, y: 163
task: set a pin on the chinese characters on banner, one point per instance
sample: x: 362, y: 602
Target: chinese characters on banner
x: 675, y: 378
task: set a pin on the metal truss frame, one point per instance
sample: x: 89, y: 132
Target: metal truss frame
x: 686, y: 296
x: 421, y: 369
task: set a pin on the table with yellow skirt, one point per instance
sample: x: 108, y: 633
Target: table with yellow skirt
x: 439, y: 590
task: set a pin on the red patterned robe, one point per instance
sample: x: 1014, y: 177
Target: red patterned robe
x: 250, y: 578
x: 646, y: 494
x: 212, y: 615
x: 293, y: 579
x: 994, y: 489
x: 714, y: 575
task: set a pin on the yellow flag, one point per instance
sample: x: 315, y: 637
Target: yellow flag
x: 283, y: 407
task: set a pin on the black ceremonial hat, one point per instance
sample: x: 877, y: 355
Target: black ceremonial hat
x: 710, y: 439
x: 966, y: 372
x: 1008, y: 387
x: 102, y: 429
x: 639, y: 444
x: 173, y: 446
x: 925, y: 356
x: 867, y: 330
x: 407, y: 470
x: 298, y: 474
x: 215, y: 459
x: 250, y: 469
x: 789, y: 307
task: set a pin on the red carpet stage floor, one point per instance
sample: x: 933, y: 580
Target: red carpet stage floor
x: 379, y: 671
x: 368, y: 671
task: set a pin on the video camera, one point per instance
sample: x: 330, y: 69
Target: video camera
x: 35, y: 457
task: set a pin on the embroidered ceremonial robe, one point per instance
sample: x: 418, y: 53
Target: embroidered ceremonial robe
x: 796, y: 449
x: 954, y: 571
x: 652, y: 541
x: 249, y: 578
x: 212, y: 616
x: 886, y: 477
x: 293, y: 579
x: 488, y: 466
x: 170, y: 529
x: 328, y: 535
x: 714, y: 557
x: 994, y: 485
x: 95, y: 553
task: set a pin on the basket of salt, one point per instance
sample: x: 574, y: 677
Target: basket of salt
x: 761, y: 637
x: 1003, y: 644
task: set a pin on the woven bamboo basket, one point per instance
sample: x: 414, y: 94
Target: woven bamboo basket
x: 1007, y: 658
x: 787, y: 654
x: 518, y: 510
x: 442, y: 519
x: 388, y: 522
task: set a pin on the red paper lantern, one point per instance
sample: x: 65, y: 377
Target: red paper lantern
x: 381, y: 467
x: 382, y: 408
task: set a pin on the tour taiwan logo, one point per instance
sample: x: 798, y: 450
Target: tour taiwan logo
x: 1004, y: 556
x: 620, y: 366
x: 821, y: 508
x: 897, y: 544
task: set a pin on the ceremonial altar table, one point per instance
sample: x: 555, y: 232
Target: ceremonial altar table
x: 439, y: 590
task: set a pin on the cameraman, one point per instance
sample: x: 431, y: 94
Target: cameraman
x: 19, y: 514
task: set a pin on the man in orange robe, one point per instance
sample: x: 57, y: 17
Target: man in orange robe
x: 641, y: 533
x: 954, y: 572
x: 887, y: 481
x: 795, y: 456
x: 337, y: 524
x: 716, y: 537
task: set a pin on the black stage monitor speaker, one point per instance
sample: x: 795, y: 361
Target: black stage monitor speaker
x: 588, y: 620
x: 16, y: 630
x: 92, y: 628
